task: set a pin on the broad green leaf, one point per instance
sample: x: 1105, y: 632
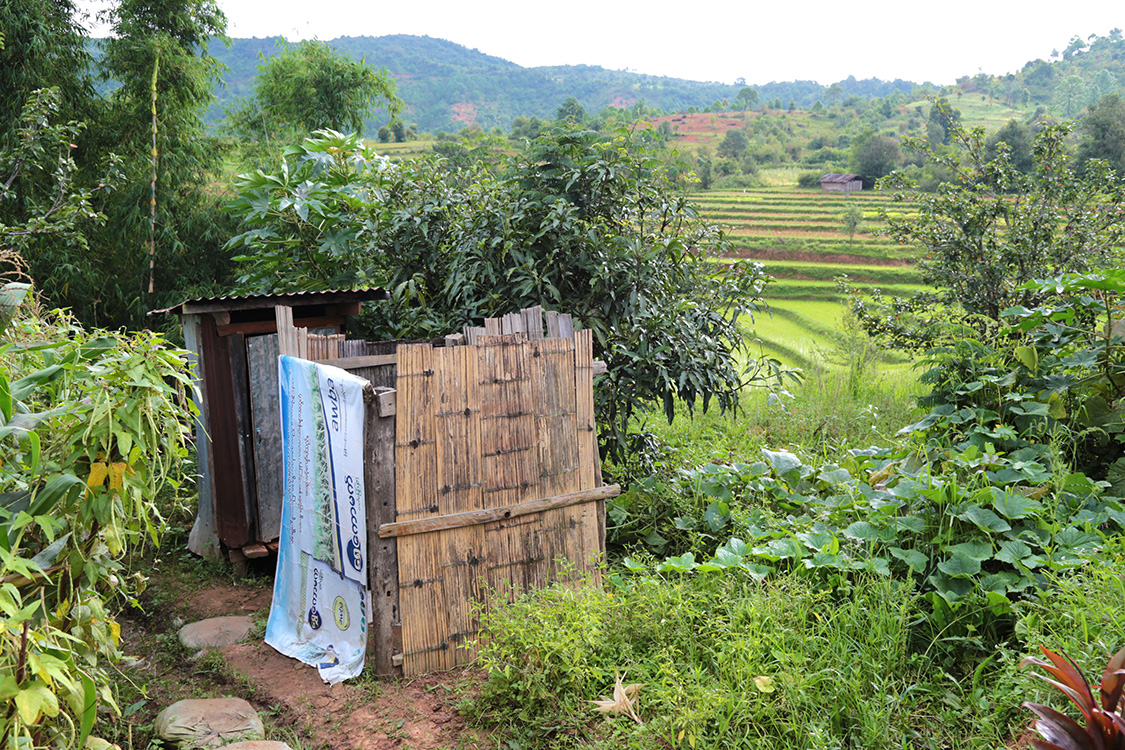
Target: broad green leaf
x: 863, y: 531
x: 36, y: 700
x: 782, y: 462
x: 834, y: 475
x: 89, y: 709
x: 959, y: 566
x: 984, y: 519
x: 949, y: 588
x: 913, y: 558
x: 977, y: 549
x: 1013, y: 505
x: 1013, y: 551
x: 1077, y: 540
x: 1028, y: 357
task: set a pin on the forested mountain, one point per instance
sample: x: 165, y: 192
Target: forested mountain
x: 447, y: 86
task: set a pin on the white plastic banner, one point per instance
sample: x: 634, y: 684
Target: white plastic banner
x: 320, y: 599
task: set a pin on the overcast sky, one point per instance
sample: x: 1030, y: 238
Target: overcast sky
x: 759, y: 41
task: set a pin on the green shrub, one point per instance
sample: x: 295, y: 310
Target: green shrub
x: 92, y: 427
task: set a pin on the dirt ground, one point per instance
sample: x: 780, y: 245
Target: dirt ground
x: 361, y: 714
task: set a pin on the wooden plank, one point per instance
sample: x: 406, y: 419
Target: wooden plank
x: 228, y: 503
x: 590, y: 463
x: 486, y: 515
x: 261, y: 356
x: 270, y: 326
x: 564, y: 530
x: 353, y: 362
x: 421, y: 591
x: 240, y: 380
x: 460, y: 550
x: 385, y: 400
x: 510, y: 462
x: 533, y: 322
x: 203, y: 539
x: 566, y: 326
x: 303, y: 343
x: 286, y: 333
x: 382, y: 554
x: 552, y: 324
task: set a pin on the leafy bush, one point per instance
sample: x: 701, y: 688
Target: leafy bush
x: 583, y: 223
x: 809, y: 180
x: 92, y: 426
x: 973, y: 528
x: 990, y: 227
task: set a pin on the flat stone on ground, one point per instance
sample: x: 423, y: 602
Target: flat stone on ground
x: 257, y: 745
x: 208, y: 722
x: 216, y: 631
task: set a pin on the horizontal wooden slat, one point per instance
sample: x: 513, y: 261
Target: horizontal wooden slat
x: 270, y: 326
x: 474, y: 517
x: 352, y: 363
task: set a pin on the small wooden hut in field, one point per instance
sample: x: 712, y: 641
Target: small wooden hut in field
x: 841, y: 183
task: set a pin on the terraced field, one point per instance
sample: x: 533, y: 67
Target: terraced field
x: 799, y: 235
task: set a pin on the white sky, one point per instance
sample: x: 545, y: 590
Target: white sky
x: 761, y: 42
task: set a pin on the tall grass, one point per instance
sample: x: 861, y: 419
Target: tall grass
x: 725, y: 662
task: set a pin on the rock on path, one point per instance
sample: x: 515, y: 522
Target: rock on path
x: 216, y: 631
x: 208, y: 722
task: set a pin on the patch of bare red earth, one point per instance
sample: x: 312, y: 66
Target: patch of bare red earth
x: 416, y: 714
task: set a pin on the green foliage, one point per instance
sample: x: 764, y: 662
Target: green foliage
x: 852, y: 219
x: 1054, y: 375
x: 43, y: 46
x: 589, y: 224
x: 56, y: 212
x: 107, y: 280
x: 570, y: 112
x: 723, y: 661
x: 1102, y: 134
x: 310, y: 87
x: 875, y: 156
x: 809, y: 180
x: 92, y: 427
x: 992, y: 228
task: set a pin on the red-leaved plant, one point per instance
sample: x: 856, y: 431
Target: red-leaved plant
x: 1105, y: 725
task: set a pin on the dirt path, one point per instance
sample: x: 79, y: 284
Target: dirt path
x: 361, y: 714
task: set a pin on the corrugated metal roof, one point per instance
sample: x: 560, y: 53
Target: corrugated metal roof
x: 833, y: 177
x: 260, y: 301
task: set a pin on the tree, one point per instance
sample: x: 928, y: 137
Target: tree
x: 44, y: 46
x: 747, y: 97
x: 852, y: 218
x: 570, y: 112
x: 312, y: 86
x: 587, y: 223
x: 734, y: 144
x: 1102, y: 134
x: 875, y: 156
x: 833, y: 94
x: 62, y: 214
x: 992, y: 228
x: 164, y: 229
x: 943, y: 120
x: 1069, y: 95
x: 1017, y: 136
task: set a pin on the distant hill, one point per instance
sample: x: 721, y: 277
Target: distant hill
x: 447, y: 86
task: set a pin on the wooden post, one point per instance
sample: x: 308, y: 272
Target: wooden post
x: 384, y: 633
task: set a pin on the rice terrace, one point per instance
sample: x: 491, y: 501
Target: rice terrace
x: 384, y: 393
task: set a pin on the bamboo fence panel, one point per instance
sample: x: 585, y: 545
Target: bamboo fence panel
x: 502, y: 430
